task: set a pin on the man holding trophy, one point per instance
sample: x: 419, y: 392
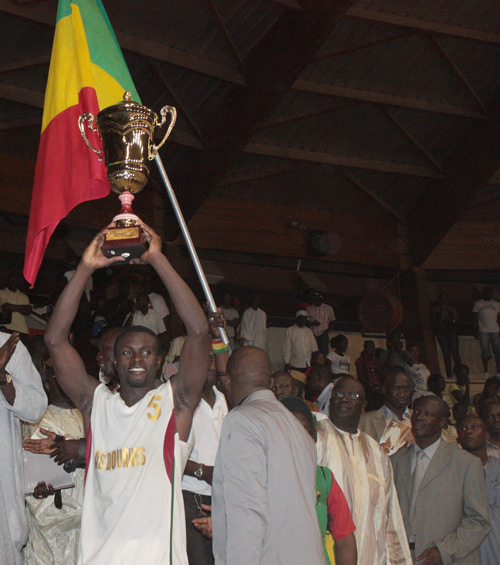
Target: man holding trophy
x: 137, y: 440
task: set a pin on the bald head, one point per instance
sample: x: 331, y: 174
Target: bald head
x: 248, y: 370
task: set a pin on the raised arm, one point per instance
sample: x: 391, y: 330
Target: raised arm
x: 193, y: 363
x: 69, y: 368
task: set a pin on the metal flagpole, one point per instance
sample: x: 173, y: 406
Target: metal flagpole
x: 189, y: 242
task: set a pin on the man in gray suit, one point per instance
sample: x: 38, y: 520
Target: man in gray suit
x: 390, y: 425
x: 263, y: 489
x: 441, y: 491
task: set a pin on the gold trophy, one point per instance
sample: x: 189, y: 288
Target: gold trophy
x: 126, y: 131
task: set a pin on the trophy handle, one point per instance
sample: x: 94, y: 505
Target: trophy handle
x: 153, y: 150
x: 81, y: 125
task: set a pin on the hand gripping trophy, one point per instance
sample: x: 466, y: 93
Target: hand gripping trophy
x: 126, y: 131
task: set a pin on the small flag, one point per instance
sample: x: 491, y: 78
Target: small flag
x: 87, y: 73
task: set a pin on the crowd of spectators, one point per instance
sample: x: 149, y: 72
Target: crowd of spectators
x: 189, y: 451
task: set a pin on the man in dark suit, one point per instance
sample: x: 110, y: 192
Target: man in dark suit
x: 441, y: 492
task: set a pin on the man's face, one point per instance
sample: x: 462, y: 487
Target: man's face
x: 472, y: 433
x: 11, y: 282
x: 137, y: 360
x: 227, y: 300
x: 488, y: 293
x: 212, y: 371
x: 142, y: 303
x: 414, y: 352
x: 492, y: 418
x: 344, y: 408
x: 398, y: 391
x: 105, y: 356
x: 426, y: 420
x: 283, y: 386
x: 370, y: 349
x: 301, y: 321
x: 317, y: 300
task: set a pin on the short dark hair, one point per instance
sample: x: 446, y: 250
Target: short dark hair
x: 135, y: 330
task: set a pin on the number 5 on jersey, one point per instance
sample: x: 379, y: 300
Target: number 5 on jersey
x: 153, y: 416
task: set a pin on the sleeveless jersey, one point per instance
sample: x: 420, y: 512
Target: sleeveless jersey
x: 133, y: 510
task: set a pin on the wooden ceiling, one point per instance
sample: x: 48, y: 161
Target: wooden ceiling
x: 376, y: 121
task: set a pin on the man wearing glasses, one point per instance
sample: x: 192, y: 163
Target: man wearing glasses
x: 364, y: 473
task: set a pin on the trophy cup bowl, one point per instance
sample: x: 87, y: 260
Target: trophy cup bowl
x: 126, y: 130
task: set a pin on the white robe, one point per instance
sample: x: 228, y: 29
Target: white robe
x: 30, y: 404
x: 253, y: 328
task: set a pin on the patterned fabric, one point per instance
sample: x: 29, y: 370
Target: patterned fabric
x: 364, y: 474
x: 55, y: 533
x: 323, y: 314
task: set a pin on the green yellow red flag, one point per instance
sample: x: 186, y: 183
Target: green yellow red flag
x: 87, y: 73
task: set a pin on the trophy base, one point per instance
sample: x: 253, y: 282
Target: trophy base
x: 127, y: 242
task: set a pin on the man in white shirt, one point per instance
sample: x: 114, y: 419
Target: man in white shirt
x: 197, y: 479
x: 232, y: 319
x: 157, y: 302
x: 485, y: 312
x: 253, y: 329
x: 299, y: 344
x: 146, y: 316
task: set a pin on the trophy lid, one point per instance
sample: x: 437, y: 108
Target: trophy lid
x: 127, y: 107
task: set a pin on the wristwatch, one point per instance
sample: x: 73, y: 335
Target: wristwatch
x: 7, y: 379
x: 198, y: 472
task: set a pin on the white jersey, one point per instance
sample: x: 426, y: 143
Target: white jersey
x: 133, y: 510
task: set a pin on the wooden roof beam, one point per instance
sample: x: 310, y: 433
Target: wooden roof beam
x: 373, y: 195
x: 20, y: 123
x: 137, y: 44
x: 263, y: 173
x: 273, y: 66
x: 420, y: 24
x: 309, y: 113
x: 387, y: 99
x: 341, y: 160
x: 467, y: 170
x: 24, y: 63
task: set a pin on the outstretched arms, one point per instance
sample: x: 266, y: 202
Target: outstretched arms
x: 68, y: 366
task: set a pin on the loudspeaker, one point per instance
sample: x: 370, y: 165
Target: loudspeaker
x: 317, y: 242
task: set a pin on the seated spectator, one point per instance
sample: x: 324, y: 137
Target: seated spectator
x: 472, y: 436
x: 490, y: 413
x: 370, y: 373
x: 419, y: 373
x: 460, y: 391
x: 340, y: 362
x: 334, y: 516
x: 490, y: 393
x: 283, y: 385
x: 319, y: 387
x: 317, y: 358
x: 395, y: 354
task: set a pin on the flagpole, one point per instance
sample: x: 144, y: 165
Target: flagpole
x: 189, y: 242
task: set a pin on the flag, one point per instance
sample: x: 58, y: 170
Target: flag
x: 87, y: 73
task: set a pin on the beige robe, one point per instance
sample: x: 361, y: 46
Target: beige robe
x: 364, y: 473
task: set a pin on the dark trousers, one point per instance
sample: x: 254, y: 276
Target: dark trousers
x: 449, y: 345
x: 323, y: 343
x: 199, y: 547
